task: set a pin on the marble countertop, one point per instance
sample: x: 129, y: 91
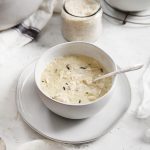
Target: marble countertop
x: 127, y: 45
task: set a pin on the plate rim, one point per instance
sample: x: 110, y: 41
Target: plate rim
x: 17, y: 97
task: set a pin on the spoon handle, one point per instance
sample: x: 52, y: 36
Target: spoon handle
x: 119, y: 71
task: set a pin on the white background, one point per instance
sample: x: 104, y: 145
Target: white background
x: 127, y: 45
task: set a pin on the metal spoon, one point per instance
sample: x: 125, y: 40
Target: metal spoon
x: 118, y: 72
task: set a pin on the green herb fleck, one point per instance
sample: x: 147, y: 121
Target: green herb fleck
x: 79, y: 101
x: 55, y: 70
x: 68, y: 66
x: 83, y: 67
x: 101, y: 69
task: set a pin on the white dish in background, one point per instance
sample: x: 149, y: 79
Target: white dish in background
x: 12, y: 12
x: 57, y: 128
x: 130, y: 5
x: 75, y: 111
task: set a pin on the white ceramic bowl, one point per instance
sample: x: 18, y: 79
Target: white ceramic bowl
x: 74, y: 111
x: 12, y: 12
x: 130, y: 5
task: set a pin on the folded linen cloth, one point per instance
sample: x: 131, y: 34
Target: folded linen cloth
x: 41, y: 145
x: 143, y: 111
x: 28, y: 30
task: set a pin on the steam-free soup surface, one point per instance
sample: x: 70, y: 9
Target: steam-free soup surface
x: 69, y: 79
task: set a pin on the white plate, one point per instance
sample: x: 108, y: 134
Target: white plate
x: 56, y: 128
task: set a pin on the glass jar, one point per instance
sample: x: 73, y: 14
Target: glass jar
x: 81, y: 28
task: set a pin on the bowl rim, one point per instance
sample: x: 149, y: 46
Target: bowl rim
x: 77, y: 16
x: 120, y: 8
x: 67, y: 104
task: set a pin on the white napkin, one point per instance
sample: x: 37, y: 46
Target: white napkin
x: 2, y: 145
x: 28, y: 30
x: 143, y: 111
x: 44, y: 144
x: 41, y: 145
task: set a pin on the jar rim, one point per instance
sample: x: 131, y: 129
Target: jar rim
x: 64, y: 8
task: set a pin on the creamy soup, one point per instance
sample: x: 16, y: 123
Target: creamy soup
x: 69, y: 79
